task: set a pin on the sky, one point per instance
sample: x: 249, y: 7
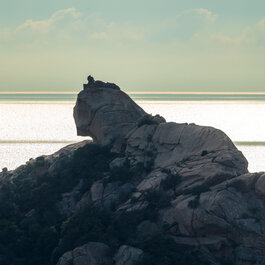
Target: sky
x: 141, y: 45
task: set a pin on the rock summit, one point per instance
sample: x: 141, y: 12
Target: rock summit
x: 143, y: 192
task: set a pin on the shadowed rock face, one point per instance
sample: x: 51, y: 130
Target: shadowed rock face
x: 206, y: 176
x: 154, y: 179
x: 108, y: 115
x: 104, y: 112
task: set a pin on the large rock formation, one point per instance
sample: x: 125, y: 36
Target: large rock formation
x: 148, y: 192
x: 212, y: 197
x: 199, y: 154
x: 104, y: 112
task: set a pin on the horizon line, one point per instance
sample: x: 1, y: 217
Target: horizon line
x: 139, y: 92
x: 238, y: 143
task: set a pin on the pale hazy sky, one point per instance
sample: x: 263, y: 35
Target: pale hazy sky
x: 170, y: 45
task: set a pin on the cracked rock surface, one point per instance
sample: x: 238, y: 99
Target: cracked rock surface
x: 212, y: 200
x: 145, y: 191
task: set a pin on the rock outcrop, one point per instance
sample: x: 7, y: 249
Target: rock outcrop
x: 143, y: 192
x: 211, y: 195
x: 95, y: 253
x: 92, y: 253
x: 200, y: 155
x: 127, y: 255
x: 104, y: 112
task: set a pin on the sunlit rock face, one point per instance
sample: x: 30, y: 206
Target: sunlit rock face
x: 104, y: 112
x: 148, y: 191
x: 196, y: 170
x: 109, y: 116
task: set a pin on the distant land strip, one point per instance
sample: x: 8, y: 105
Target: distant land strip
x: 250, y: 143
x: 238, y: 143
x: 197, y: 93
x: 139, y: 92
x: 36, y: 142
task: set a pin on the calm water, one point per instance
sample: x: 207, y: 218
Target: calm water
x: 136, y: 96
x: 29, y: 129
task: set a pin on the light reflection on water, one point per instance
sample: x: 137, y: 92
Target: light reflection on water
x: 29, y: 130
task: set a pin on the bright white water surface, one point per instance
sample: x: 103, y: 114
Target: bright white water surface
x: 31, y: 129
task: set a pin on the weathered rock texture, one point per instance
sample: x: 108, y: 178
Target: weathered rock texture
x: 127, y: 255
x: 154, y: 181
x: 104, y: 112
x: 213, y: 202
x: 199, y: 155
x: 93, y: 253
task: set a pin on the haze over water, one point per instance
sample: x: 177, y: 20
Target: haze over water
x: 212, y: 50
x: 30, y: 127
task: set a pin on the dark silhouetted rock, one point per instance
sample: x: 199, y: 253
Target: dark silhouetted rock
x: 95, y: 84
x: 128, y: 255
x: 104, y: 113
x: 176, y: 192
x: 92, y: 253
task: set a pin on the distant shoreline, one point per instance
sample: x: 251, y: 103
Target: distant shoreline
x: 137, y: 96
x: 142, y: 92
x: 237, y: 143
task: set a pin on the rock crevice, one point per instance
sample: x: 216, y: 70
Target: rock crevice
x: 144, y: 191
x: 204, y: 160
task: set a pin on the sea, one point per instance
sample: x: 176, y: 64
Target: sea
x: 35, y: 124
